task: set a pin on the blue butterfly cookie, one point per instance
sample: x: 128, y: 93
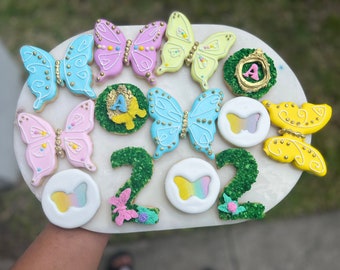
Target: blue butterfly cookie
x: 46, y: 73
x: 171, y: 123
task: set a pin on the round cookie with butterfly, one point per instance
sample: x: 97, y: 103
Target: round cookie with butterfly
x: 115, y: 134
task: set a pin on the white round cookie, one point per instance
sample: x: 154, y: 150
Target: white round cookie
x: 71, y: 208
x: 243, y: 121
x: 192, y: 170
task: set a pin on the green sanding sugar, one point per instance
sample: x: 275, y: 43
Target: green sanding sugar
x: 230, y: 78
x: 142, y: 169
x: 101, y: 113
x: 246, y: 174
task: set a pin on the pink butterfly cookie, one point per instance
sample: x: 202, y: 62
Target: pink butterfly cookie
x: 121, y: 208
x: 44, y: 144
x: 113, y: 50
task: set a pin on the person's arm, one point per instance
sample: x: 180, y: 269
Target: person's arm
x: 57, y: 248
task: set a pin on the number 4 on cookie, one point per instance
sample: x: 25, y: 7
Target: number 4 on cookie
x: 123, y: 208
x: 246, y: 173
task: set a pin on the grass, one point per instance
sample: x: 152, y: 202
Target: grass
x: 304, y: 33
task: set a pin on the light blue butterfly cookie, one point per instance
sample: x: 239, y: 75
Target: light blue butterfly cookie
x: 45, y: 73
x: 171, y: 123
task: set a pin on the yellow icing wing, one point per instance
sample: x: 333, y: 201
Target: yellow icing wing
x: 288, y: 148
x: 205, y: 60
x: 180, y: 41
x: 308, y: 119
x: 128, y: 117
x: 295, y: 124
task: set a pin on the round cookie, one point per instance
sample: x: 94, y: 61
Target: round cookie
x: 192, y: 185
x: 250, y: 73
x: 70, y: 198
x: 121, y: 108
x: 113, y: 182
x: 243, y: 121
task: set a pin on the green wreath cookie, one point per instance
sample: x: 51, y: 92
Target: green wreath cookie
x: 250, y: 73
x: 121, y: 108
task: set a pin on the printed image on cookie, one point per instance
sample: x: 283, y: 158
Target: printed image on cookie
x: 243, y: 121
x: 70, y: 198
x: 113, y: 50
x: 121, y: 109
x: 250, y: 73
x: 46, y: 74
x: 192, y: 185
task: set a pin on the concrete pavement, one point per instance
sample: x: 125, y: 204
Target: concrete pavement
x: 311, y: 243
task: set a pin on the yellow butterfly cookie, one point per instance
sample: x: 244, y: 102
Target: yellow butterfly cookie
x: 295, y: 124
x: 181, y: 47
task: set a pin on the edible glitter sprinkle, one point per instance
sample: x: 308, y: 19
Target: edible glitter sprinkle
x: 246, y: 174
x: 102, y: 115
x: 231, y: 80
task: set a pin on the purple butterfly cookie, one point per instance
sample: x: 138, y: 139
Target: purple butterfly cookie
x: 113, y: 50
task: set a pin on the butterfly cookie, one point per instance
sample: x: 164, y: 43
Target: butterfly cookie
x: 295, y: 124
x: 44, y: 144
x: 113, y: 50
x: 171, y: 123
x: 45, y: 73
x: 181, y: 47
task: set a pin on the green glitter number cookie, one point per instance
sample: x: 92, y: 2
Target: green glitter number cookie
x: 123, y: 208
x: 246, y: 173
x: 121, y: 108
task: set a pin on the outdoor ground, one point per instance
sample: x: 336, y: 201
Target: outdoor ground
x: 304, y: 33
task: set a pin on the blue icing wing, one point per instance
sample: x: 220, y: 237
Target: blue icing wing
x: 201, y: 120
x: 42, y: 79
x: 171, y: 122
x: 73, y: 71
x: 168, y: 117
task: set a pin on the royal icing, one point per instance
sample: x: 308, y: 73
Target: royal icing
x: 121, y: 108
x: 192, y: 185
x: 181, y: 47
x: 44, y: 144
x: 70, y: 198
x: 295, y: 123
x: 171, y: 123
x: 243, y: 121
x: 45, y: 73
x: 250, y: 73
x: 113, y: 51
x: 122, y: 203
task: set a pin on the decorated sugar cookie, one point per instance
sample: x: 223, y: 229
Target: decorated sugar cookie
x: 230, y: 206
x: 192, y: 185
x: 121, y: 108
x: 250, y: 73
x: 46, y: 74
x: 243, y: 121
x: 44, y: 144
x: 295, y: 124
x: 70, y: 198
x: 122, y: 204
x: 113, y: 51
x: 171, y: 123
x: 181, y: 47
